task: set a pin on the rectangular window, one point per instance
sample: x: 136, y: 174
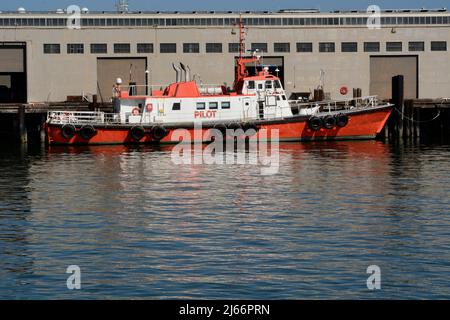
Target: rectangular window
x: 304, y: 47
x: 213, y: 105
x: 75, y: 48
x: 191, y: 48
x: 233, y: 48
x: 122, y: 48
x: 99, y: 48
x: 327, y: 47
x: 145, y: 48
x: 168, y: 48
x: 52, y: 48
x: 416, y: 46
x: 201, y: 105
x: 438, y: 45
x: 226, y: 105
x: 176, y: 106
x: 394, y: 46
x: 214, y: 48
x: 282, y: 47
x: 349, y: 47
x: 371, y: 47
x: 251, y: 85
x: 260, y: 47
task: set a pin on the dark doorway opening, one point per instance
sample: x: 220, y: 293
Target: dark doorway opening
x: 13, y: 75
x: 13, y: 88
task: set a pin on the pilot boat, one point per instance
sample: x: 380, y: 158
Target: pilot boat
x: 256, y: 105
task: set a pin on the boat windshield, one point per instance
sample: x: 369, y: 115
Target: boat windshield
x: 277, y: 84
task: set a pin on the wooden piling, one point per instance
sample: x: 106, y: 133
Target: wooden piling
x: 21, y: 125
x: 399, y: 103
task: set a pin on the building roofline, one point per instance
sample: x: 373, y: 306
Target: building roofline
x: 212, y: 12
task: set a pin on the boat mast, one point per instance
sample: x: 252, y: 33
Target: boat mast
x: 241, y: 61
x: 241, y: 38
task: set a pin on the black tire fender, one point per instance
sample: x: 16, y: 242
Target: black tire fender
x: 137, y: 133
x: 87, y: 132
x: 159, y: 132
x: 315, y: 123
x: 329, y: 122
x: 342, y: 120
x: 68, y: 131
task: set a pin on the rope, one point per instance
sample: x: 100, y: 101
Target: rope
x: 424, y: 121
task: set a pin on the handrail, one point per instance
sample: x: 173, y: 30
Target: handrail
x: 98, y: 117
x: 335, y: 105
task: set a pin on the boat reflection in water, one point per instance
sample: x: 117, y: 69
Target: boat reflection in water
x: 145, y: 176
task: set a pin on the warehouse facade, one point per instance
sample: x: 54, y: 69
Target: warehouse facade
x: 42, y: 59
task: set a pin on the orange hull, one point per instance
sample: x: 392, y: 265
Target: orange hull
x: 362, y: 125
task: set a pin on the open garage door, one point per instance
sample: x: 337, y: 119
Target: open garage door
x: 383, y: 68
x: 130, y: 70
x: 13, y: 80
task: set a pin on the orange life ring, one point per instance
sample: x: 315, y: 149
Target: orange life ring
x: 149, y: 107
x: 344, y: 91
x: 136, y: 112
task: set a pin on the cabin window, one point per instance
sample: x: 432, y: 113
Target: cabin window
x: 268, y: 84
x: 213, y: 105
x: 176, y: 106
x: 225, y: 105
x: 251, y: 85
x: 201, y: 106
x: 277, y: 84
x: 260, y: 86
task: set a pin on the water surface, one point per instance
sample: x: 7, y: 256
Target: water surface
x: 141, y: 227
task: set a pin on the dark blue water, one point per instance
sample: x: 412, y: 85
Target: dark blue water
x: 139, y: 226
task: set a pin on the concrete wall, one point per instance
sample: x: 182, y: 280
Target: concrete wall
x: 55, y: 76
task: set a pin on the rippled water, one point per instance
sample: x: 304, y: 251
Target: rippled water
x: 141, y: 227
